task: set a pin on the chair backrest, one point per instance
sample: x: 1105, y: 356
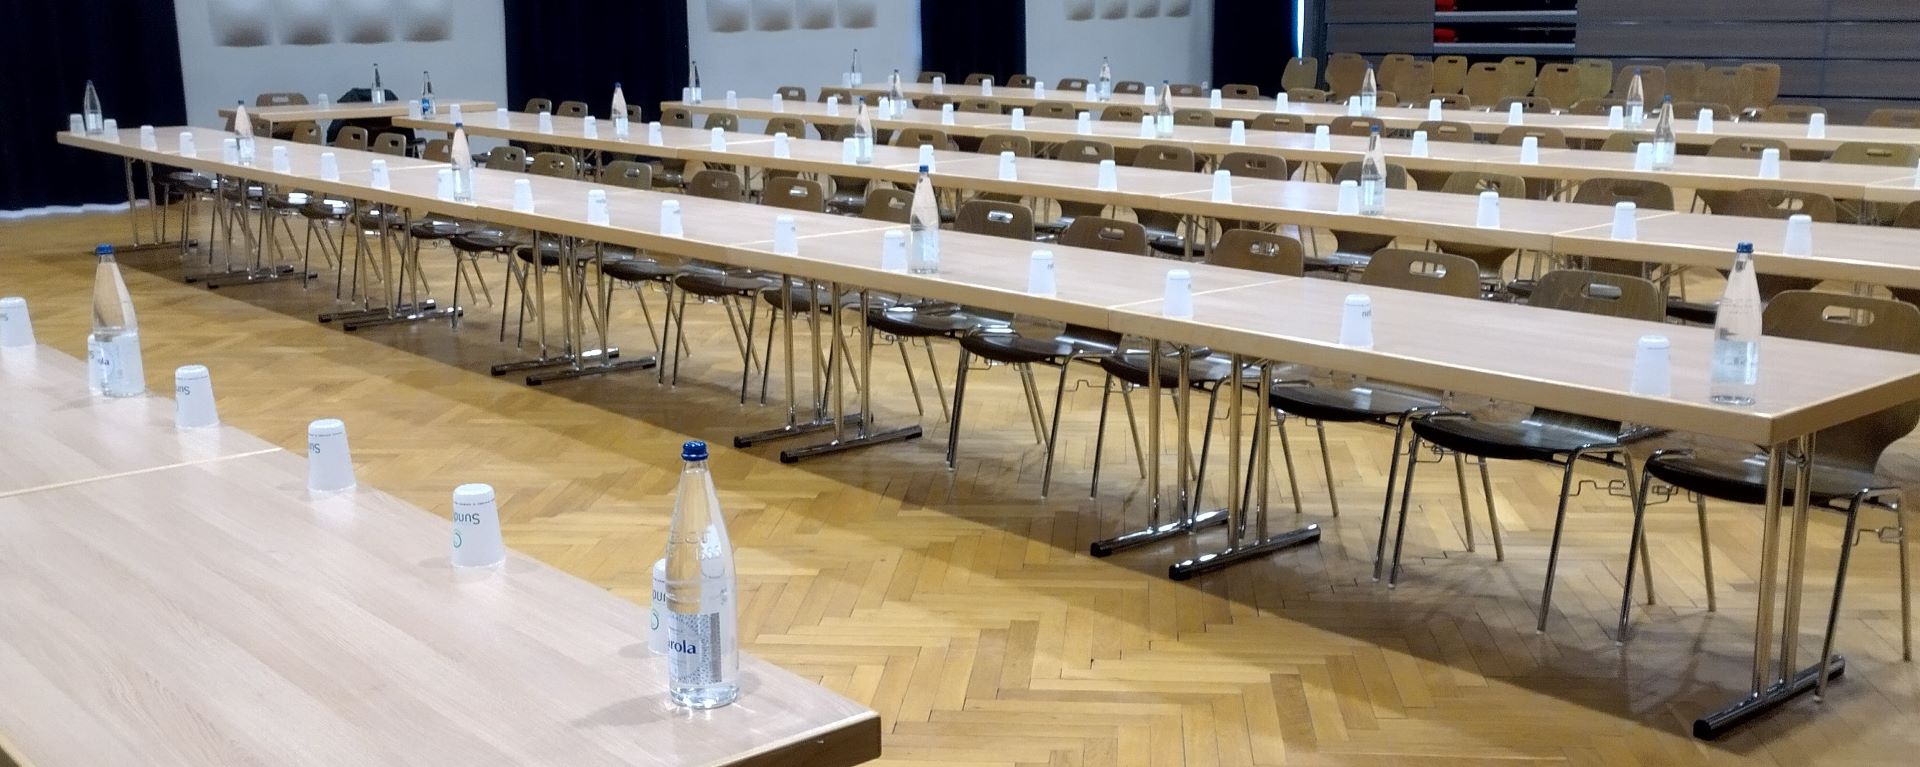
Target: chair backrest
x: 1690, y: 110
x: 1477, y: 181
x: 305, y: 132
x: 928, y: 76
x: 1596, y: 106
x: 1450, y: 100
x: 437, y: 150
x: 844, y: 94
x: 1130, y: 87
x: 1791, y: 113
x: 1084, y: 150
x: 630, y: 174
x: 995, y: 143
x: 1549, y: 138
x: 676, y: 117
x: 505, y: 157
x: 1530, y: 104
x: 1732, y: 86
x: 391, y: 143
x: 1439, y: 273
x: 1300, y: 73
x: 1241, y: 90
x: 1199, y: 117
x: 555, y: 164
x: 1873, y: 153
x: 1645, y: 195
x: 1874, y: 323
x: 1486, y: 84
x: 725, y: 120
x: 1890, y: 117
x: 1520, y: 71
x: 884, y: 203
x: 1386, y: 99
x: 351, y: 137
x: 1446, y: 130
x: 1776, y: 203
x: 792, y: 193
x: 717, y: 185
x: 978, y: 106
x: 1683, y: 79
x: 1397, y: 177
x: 1276, y: 121
x: 1166, y: 157
x: 920, y: 135
x: 1354, y: 125
x: 997, y: 218
x: 1253, y: 165
x: 572, y: 109
x: 1653, y: 82
x: 935, y: 102
x: 1766, y: 83
x: 537, y: 105
x: 1106, y: 234
x: 1603, y: 293
x: 1391, y: 65
x: 1057, y: 109
x: 1259, y: 251
x: 794, y: 127
x: 1559, y: 84
x: 1020, y: 81
x: 1596, y: 77
x: 1743, y: 146
x: 1122, y: 113
x: 279, y: 99
x: 1414, y: 79
x: 1308, y: 95
x: 1625, y: 141
x: 977, y: 78
x: 1077, y: 84
x: 1449, y: 73
x: 1344, y: 72
x: 1188, y: 90
x: 791, y: 93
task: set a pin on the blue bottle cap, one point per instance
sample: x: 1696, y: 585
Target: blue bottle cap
x: 1745, y: 247
x: 103, y: 249
x: 459, y: 125
x: 925, y: 169
x: 693, y: 450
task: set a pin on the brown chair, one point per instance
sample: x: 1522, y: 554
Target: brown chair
x: 1345, y: 71
x: 1241, y: 91
x: 1559, y: 84
x: 1413, y: 79
x: 352, y: 137
x: 1355, y: 248
x: 1020, y: 81
x: 927, y: 76
x: 1122, y: 113
x: 1653, y: 83
x: 1253, y: 165
x: 537, y: 105
x: 1450, y: 100
x: 978, y: 106
x: 918, y: 136
x: 995, y: 143
x: 791, y: 193
x: 1300, y: 73
x: 1765, y: 83
x: 1592, y: 107
x: 628, y: 174
x: 978, y: 77
x: 1520, y: 72
x: 1889, y: 117
x: 1308, y: 95
x: 1187, y: 90
x: 1106, y: 234
x: 794, y: 127
x: 1732, y: 86
x: 1790, y: 113
x: 1717, y: 200
x: 1072, y: 84
x: 727, y: 121
x: 1490, y: 258
x: 554, y: 164
x: 1386, y: 99
x: 304, y: 132
x: 1129, y: 88
x: 676, y: 117
x: 1690, y: 110
x: 1449, y: 73
x: 573, y: 109
x: 1258, y: 251
x: 1391, y: 65
x: 1873, y: 153
x: 1645, y: 195
x: 437, y: 150
x: 1059, y: 110
x: 1163, y: 229
x: 1194, y: 117
x: 995, y: 218
x: 1625, y: 141
x: 1440, y: 130
x: 1683, y: 79
x: 1276, y: 121
x: 1538, y: 188
x: 1084, y: 151
x: 507, y: 158
x: 1486, y: 84
x: 737, y: 289
x: 1354, y: 125
x: 391, y: 144
x: 888, y: 204
x: 1538, y: 105
x: 792, y: 93
x: 1596, y: 77
x: 1779, y: 204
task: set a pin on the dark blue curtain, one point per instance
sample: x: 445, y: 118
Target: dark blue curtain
x: 961, y: 37
x: 1252, y: 40
x: 49, y: 49
x: 577, y: 49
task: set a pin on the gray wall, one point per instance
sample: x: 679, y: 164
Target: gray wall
x: 755, y: 46
x: 1149, y: 40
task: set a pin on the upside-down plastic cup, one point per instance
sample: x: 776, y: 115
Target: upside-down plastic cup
x: 1643, y: 156
x: 1420, y: 148
x: 1178, y: 303
x: 1434, y: 107
x: 1009, y: 170
x: 329, y: 464
x: 1019, y: 119
x: 1280, y: 102
x: 443, y: 184
x: 1652, y: 367
x: 546, y: 122
x: 1516, y: 114
x: 597, y: 213
x: 1530, y: 150
x: 1704, y: 122
x: 1215, y: 99
x: 1146, y: 126
x: 946, y: 114
x: 589, y: 127
x: 1107, y: 179
x: 1769, y: 163
x: 281, y: 161
x: 329, y: 166
x: 1616, y: 117
x: 1626, y: 221
x: 1356, y: 321
x: 782, y: 145
x: 187, y: 146
x: 986, y: 88
x: 1222, y: 186
x: 455, y: 114
x: 1039, y: 89
x: 1488, y: 215
x: 148, y: 141
x: 16, y: 326
x: 656, y: 135
x: 1237, y: 133
x: 670, y: 224
x: 230, y: 151
x: 1799, y: 239
x: 1817, y: 125
x: 476, y: 528
x: 786, y: 236
x: 522, y: 195
x: 926, y: 157
x: 1322, y: 137
x: 501, y: 119
x: 193, y: 404
x: 1040, y: 274
x: 377, y: 173
x: 733, y: 100
x: 779, y: 103
x: 849, y: 151
x: 1084, y: 125
x: 1349, y: 200
x: 893, y: 250
x: 833, y: 106
x: 718, y: 140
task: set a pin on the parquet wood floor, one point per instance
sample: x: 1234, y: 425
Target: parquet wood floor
x: 965, y: 609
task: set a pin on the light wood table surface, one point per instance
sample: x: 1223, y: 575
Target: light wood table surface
x: 357, y: 110
x: 214, y: 612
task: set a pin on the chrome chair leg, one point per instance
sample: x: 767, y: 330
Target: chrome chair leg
x: 1706, y: 552
x: 1839, y: 588
x: 1553, y: 549
x: 1053, y: 432
x: 913, y: 381
x: 1634, y: 542
x: 959, y: 402
x: 1493, y: 520
x: 1399, y: 424
x: 1906, y: 588
x: 1033, y: 401
x: 1406, y: 494
x: 1466, y: 508
x: 1100, y: 435
x: 1133, y: 428
x: 939, y: 388
x: 1326, y: 464
x: 1286, y: 454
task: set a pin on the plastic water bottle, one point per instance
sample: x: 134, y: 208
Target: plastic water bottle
x: 426, y: 95
x: 462, y: 165
x: 1106, y: 79
x: 1369, y: 94
x: 896, y: 95
x: 1373, y: 177
x: 703, y: 643
x: 1664, y: 144
x: 113, y: 348
x: 619, y: 104
x: 863, y: 134
x: 379, y: 91
x: 1736, y: 335
x: 853, y: 72
x: 1163, y: 114
x: 96, y: 119
x: 693, y: 82
x: 243, y: 133
x: 1636, y: 102
x: 923, y: 223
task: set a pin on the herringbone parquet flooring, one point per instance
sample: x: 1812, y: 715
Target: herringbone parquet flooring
x: 964, y: 608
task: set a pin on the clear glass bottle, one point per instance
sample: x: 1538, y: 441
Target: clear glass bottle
x: 693, y: 82
x: 1736, y: 335
x: 1664, y: 144
x: 379, y: 95
x: 243, y: 133
x: 1369, y: 94
x: 95, y: 118
x: 1636, y: 102
x: 1373, y: 177
x: 923, y: 222
x: 619, y: 111
x: 114, y: 368
x: 1106, y: 80
x: 862, y: 133
x: 426, y: 95
x: 854, y: 77
x: 462, y: 165
x: 1163, y: 113
x: 703, y: 643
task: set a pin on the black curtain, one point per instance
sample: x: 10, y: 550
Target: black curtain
x: 577, y: 49
x: 1252, y: 40
x: 961, y: 37
x: 49, y: 49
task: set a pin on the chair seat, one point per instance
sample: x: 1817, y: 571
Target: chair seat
x: 1369, y: 402
x: 549, y: 252
x: 480, y: 240
x: 796, y: 298
x: 1337, y: 262
x: 711, y: 283
x: 1532, y: 439
x: 192, y: 181
x: 1742, y: 478
x: 1005, y: 345
x: 377, y: 217
x: 435, y: 228
x: 1131, y: 367
x: 637, y: 270
x: 923, y: 320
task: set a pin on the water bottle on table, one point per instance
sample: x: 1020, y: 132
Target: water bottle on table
x: 1736, y: 335
x: 114, y: 368
x: 703, y: 644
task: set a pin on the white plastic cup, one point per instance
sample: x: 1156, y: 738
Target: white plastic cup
x: 455, y: 115
x: 500, y: 118
x: 230, y: 151
x: 597, y: 212
x: 443, y: 184
x: 1353, y: 106
x: 329, y: 463
x: 1280, y: 103
x: 1349, y: 201
x: 1356, y: 321
x: 670, y: 224
x: 377, y: 174
x: 476, y: 528
x: 1222, y: 186
x: 1093, y: 92
x: 326, y: 102
x: 733, y: 100
x: 187, y: 146
x: 1237, y: 133
x: 1643, y: 156
x: 148, y: 141
x: 1516, y: 114
x: 1530, y: 150
x: 946, y: 114
x: 1420, y: 148
x: 1799, y: 239
x: 1652, y: 367
x: 782, y: 146
x: 1084, y: 126
x: 718, y: 140
x: 1616, y: 117
x: 1626, y: 221
x: 329, y: 166
x: 779, y: 103
x: 786, y: 236
x: 1040, y: 274
x: 1769, y: 163
x: 589, y: 127
x: 1434, y: 108
x: 926, y: 157
x: 657, y: 612
x: 1817, y: 125
x: 1039, y: 89
x: 76, y: 124
x: 1019, y: 118
x: 1704, y: 122
x: 849, y: 151
x: 1150, y: 95
x: 1322, y: 137
x: 546, y: 122
x: 1215, y: 99
x: 1178, y: 302
x: 1108, y: 177
x: 656, y: 135
x: 281, y: 162
x: 1488, y: 216
x: 111, y: 129
x: 522, y: 195
x: 939, y: 85
x: 893, y: 250
x: 986, y: 88
x: 1009, y: 171
x: 833, y: 106
x: 16, y: 325
x: 193, y: 404
x: 1146, y: 126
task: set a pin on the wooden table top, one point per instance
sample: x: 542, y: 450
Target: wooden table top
x: 354, y: 110
x: 278, y: 628
x: 1887, y: 377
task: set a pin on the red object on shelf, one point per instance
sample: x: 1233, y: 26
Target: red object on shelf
x: 1445, y: 6
x: 1445, y: 35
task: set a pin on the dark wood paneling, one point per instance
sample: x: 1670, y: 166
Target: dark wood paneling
x: 1871, y: 40
x: 1871, y: 79
x: 1377, y: 11
x: 1766, y: 41
x: 1866, y: 10
x: 1710, y: 10
x: 1381, y: 38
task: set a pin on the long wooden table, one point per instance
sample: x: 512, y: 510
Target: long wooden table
x: 355, y: 110
x: 1566, y: 361
x: 1879, y: 255
x: 212, y: 612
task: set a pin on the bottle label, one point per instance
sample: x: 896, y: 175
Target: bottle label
x: 116, y: 365
x: 694, y: 650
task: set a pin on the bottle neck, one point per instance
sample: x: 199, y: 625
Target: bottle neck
x: 691, y: 467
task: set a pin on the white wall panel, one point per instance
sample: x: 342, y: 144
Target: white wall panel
x: 1150, y: 40
x: 754, y: 61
